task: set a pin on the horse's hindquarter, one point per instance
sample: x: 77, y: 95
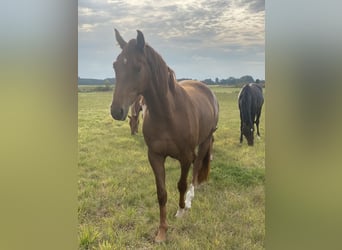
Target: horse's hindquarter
x: 205, y: 107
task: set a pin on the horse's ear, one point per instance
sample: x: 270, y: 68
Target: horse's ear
x: 140, y: 41
x: 119, y: 39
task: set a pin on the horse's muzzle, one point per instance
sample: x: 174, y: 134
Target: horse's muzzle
x: 118, y: 113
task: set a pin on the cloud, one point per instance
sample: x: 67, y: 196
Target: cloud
x: 252, y: 5
x: 178, y: 18
x: 214, y: 30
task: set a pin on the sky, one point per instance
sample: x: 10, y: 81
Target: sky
x: 198, y: 39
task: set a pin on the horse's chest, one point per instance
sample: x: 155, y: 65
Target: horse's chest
x: 165, y: 147
x: 165, y: 143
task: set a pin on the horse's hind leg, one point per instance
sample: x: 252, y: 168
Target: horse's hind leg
x: 257, y: 122
x: 182, y: 186
x: 200, y: 169
x: 200, y: 174
x: 157, y: 163
x: 211, y: 148
x: 241, y: 131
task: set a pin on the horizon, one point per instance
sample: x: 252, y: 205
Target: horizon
x: 213, y: 78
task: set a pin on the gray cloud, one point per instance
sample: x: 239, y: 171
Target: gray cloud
x: 253, y: 5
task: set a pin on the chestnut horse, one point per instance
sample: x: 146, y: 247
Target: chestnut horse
x: 180, y: 117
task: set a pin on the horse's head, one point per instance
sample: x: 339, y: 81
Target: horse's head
x: 248, y: 132
x: 131, y: 74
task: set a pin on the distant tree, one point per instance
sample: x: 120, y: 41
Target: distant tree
x: 182, y: 79
x: 109, y: 80
x: 231, y: 80
x: 209, y: 81
x: 246, y: 79
x: 223, y: 81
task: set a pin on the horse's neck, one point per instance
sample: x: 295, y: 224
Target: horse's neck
x: 159, y: 105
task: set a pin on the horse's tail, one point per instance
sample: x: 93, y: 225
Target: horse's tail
x: 203, y: 172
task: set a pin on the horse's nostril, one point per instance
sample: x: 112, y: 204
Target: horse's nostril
x: 117, y: 114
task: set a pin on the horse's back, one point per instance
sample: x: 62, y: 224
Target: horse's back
x: 204, y: 102
x: 257, y: 92
x: 200, y: 94
x: 252, y: 91
x: 250, y: 102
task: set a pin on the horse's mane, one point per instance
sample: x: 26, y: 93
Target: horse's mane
x: 163, y: 77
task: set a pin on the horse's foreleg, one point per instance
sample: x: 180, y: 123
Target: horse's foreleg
x: 257, y: 125
x: 182, y: 185
x: 157, y: 164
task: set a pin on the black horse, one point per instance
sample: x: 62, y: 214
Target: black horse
x: 250, y: 104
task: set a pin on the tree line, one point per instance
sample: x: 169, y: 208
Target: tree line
x: 231, y: 81
x: 91, y: 81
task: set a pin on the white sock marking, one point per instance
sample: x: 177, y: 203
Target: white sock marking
x: 189, y: 196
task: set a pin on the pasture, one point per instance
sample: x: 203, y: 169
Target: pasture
x: 117, y: 200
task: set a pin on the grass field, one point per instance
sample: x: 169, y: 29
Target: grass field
x: 117, y: 200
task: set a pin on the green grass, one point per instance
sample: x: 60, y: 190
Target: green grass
x: 118, y: 206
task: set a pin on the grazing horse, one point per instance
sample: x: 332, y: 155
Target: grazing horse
x: 250, y: 104
x: 180, y: 118
x: 136, y: 107
x: 143, y: 106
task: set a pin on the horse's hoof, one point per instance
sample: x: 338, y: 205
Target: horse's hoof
x: 161, y: 237
x: 180, y: 212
